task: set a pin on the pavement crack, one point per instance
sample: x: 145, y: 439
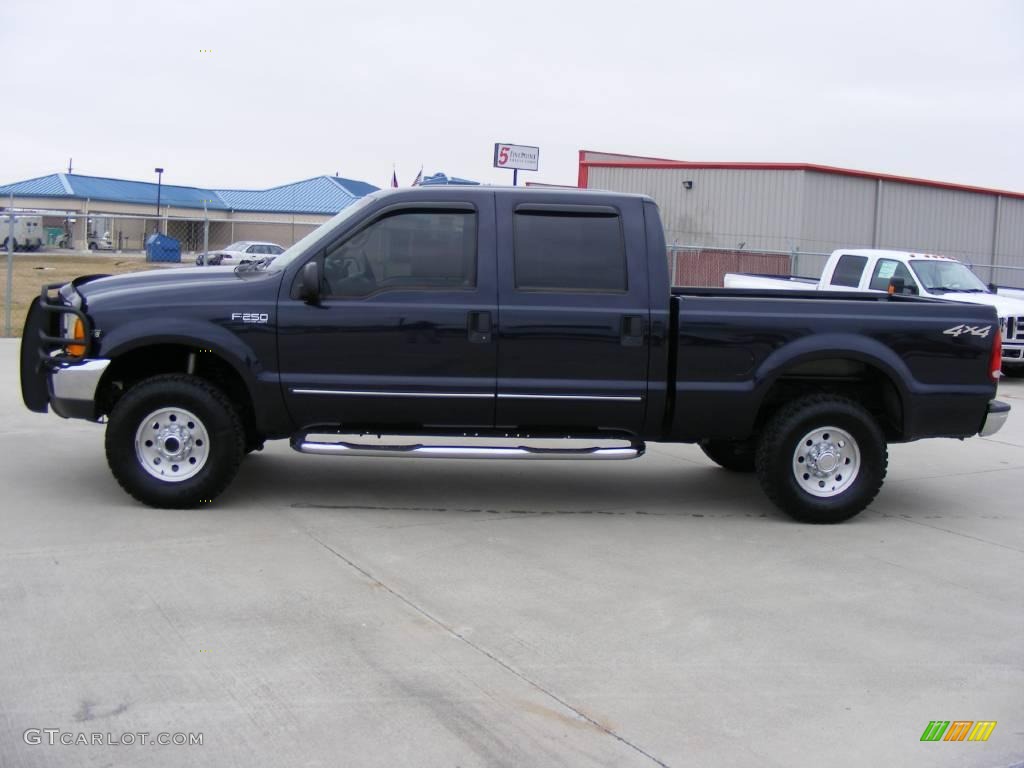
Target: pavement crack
x: 964, y: 535
x: 483, y: 651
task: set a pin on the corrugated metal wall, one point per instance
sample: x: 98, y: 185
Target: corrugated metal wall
x: 839, y: 212
x: 723, y: 208
x: 815, y: 211
x: 954, y: 223
x: 1010, y: 242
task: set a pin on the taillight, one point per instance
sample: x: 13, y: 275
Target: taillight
x: 996, y: 361
x: 77, y: 350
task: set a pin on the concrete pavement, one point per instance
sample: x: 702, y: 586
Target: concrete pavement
x: 361, y: 612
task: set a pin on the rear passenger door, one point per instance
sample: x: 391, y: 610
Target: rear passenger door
x: 573, y: 310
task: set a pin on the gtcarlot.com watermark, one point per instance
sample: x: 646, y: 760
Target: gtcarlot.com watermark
x: 54, y: 736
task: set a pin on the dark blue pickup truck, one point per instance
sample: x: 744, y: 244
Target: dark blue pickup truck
x: 449, y: 320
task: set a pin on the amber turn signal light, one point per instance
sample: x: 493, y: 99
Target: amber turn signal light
x: 77, y: 350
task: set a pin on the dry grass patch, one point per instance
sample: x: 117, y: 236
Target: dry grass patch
x: 33, y: 270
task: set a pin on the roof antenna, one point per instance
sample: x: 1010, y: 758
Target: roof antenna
x: 69, y: 165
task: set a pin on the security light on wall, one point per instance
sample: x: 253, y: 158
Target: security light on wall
x: 687, y: 185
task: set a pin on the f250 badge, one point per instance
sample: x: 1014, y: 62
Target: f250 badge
x: 251, y: 317
x: 974, y: 330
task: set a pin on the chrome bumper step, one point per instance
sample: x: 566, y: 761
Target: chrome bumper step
x: 303, y: 444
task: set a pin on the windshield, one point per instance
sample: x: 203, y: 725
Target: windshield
x: 939, y: 275
x: 239, y: 246
x: 303, y: 245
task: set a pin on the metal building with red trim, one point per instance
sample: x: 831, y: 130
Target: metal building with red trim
x: 807, y: 208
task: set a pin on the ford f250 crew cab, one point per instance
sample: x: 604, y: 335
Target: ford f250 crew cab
x: 482, y: 314
x: 920, y: 274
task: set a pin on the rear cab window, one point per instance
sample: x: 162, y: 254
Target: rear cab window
x: 563, y: 251
x: 848, y: 270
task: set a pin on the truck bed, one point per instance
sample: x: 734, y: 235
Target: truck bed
x: 778, y: 282
x: 734, y: 346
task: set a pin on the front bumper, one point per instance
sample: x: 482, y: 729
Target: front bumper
x: 72, y: 388
x: 994, y: 418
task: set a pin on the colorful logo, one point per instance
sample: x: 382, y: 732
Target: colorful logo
x: 958, y: 730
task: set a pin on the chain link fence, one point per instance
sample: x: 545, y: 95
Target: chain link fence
x: 706, y: 267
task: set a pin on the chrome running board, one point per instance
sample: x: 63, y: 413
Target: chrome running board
x: 303, y: 444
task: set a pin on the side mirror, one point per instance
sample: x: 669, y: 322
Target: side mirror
x: 309, y: 283
x: 993, y: 287
x: 898, y: 286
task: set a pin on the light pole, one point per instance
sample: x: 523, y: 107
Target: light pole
x: 159, y: 176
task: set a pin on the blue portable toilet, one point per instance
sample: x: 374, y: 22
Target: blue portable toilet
x: 162, y: 248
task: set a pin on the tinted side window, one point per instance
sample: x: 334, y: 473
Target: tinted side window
x: 886, y: 270
x: 408, y: 250
x: 274, y: 250
x: 569, y: 252
x: 848, y: 270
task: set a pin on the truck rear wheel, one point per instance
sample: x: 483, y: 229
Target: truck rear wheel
x: 736, y: 456
x: 822, y: 459
x: 174, y: 441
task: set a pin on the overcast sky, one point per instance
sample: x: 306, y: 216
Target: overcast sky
x: 296, y: 89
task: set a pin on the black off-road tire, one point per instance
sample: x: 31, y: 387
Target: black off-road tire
x: 736, y: 456
x: 777, y: 456
x: 225, y: 438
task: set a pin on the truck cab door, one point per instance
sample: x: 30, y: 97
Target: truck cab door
x: 402, y: 335
x: 574, y: 312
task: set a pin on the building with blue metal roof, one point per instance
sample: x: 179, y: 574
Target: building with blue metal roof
x: 127, y: 209
x: 318, y: 195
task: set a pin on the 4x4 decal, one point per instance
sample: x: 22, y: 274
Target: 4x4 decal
x: 974, y: 330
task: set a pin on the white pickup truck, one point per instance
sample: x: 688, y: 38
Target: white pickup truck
x: 939, y: 277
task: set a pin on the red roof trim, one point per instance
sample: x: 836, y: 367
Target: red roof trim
x: 632, y: 158
x: 680, y: 164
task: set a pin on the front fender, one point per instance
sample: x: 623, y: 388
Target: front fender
x: 250, y: 352
x: 194, y: 333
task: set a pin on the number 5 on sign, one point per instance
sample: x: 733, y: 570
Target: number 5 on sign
x: 516, y: 156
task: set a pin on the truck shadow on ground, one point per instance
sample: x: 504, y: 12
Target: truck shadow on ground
x: 642, y: 487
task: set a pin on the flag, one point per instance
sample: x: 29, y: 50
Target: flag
x: 419, y: 178
x: 394, y: 179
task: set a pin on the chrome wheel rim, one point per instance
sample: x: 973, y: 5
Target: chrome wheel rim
x: 826, y: 462
x: 172, y: 444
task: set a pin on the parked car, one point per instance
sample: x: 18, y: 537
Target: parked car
x: 239, y: 253
x: 483, y: 314
x: 101, y: 243
x: 940, y: 277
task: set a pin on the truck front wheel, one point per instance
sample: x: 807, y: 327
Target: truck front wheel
x: 822, y: 459
x: 174, y: 441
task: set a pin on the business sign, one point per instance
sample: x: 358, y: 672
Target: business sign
x: 516, y: 157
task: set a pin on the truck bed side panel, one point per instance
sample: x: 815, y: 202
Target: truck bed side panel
x: 734, y: 346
